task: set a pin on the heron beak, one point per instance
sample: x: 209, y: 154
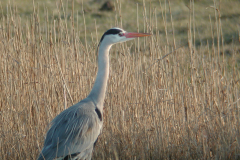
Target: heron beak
x: 134, y: 35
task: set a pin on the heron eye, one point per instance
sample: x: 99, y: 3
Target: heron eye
x: 120, y: 34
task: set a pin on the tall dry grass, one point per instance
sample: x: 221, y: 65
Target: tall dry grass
x: 182, y: 106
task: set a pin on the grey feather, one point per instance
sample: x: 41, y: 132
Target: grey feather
x: 72, y: 131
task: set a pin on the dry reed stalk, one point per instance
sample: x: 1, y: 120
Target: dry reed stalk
x: 179, y: 107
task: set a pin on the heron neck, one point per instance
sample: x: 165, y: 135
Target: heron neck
x: 99, y: 88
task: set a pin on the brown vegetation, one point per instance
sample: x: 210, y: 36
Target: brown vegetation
x: 182, y: 106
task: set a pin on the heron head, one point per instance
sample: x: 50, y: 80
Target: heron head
x: 117, y: 35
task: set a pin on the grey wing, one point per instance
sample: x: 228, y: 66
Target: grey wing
x: 72, y: 132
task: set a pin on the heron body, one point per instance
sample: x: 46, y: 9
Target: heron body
x: 74, y: 131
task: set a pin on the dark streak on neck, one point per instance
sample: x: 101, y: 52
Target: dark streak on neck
x: 98, y: 113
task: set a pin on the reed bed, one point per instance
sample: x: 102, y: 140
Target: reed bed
x: 184, y: 105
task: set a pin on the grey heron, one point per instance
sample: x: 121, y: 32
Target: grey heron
x: 74, y: 131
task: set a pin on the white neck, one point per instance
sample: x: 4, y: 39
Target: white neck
x: 99, y: 88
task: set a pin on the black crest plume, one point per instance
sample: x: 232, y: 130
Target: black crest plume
x: 110, y: 31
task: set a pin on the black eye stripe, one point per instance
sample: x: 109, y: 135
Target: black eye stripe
x: 121, y: 34
x: 111, y: 31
